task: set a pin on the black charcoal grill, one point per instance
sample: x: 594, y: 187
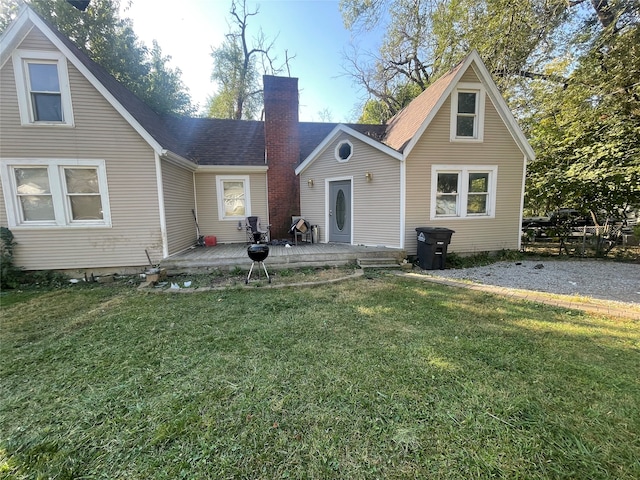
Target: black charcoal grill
x: 258, y: 252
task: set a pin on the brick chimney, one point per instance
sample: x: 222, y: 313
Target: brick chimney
x: 282, y: 145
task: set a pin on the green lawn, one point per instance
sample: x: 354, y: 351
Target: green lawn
x: 379, y: 377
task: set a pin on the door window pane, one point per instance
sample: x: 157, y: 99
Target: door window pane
x: 341, y: 210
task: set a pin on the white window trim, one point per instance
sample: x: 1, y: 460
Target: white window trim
x: 463, y: 172
x: 57, y: 184
x: 480, y: 108
x: 220, y: 191
x: 20, y: 59
x: 337, y: 151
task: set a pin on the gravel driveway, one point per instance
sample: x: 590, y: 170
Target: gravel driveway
x: 588, y: 278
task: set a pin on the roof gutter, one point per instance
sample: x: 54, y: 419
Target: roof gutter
x: 232, y: 168
x: 178, y: 160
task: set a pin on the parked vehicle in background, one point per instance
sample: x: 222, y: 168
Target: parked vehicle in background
x: 583, y: 231
x: 561, y: 216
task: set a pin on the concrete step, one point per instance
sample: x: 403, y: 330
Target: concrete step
x: 174, y: 266
x: 231, y: 256
x: 378, y: 262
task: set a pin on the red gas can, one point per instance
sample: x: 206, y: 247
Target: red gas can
x: 210, y: 241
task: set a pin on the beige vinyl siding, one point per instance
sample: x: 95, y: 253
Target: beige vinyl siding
x: 470, y: 76
x: 226, y: 231
x: 498, y: 148
x: 177, y: 185
x: 36, y: 40
x: 376, y: 204
x: 99, y: 133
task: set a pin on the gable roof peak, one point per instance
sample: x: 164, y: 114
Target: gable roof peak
x: 404, y: 125
x: 408, y: 125
x: 148, y: 123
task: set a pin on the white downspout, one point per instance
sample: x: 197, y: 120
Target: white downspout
x: 403, y: 198
x: 161, y: 211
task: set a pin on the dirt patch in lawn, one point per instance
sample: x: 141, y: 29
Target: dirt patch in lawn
x: 222, y: 278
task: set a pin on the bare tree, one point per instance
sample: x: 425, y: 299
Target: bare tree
x: 238, y: 65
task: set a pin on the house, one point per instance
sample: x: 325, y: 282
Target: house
x: 92, y: 178
x: 454, y: 157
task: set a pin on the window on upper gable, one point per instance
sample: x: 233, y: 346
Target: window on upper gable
x: 344, y: 150
x: 44, y: 90
x: 467, y: 113
x: 42, y: 84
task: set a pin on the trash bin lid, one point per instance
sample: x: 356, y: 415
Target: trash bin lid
x: 431, y: 235
x: 434, y: 230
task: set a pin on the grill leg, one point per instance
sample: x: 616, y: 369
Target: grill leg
x: 249, y: 276
x: 265, y: 272
x: 246, y: 282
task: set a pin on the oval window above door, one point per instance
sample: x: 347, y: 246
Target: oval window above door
x: 340, y: 210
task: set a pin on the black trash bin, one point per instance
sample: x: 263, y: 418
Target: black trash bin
x: 432, y: 247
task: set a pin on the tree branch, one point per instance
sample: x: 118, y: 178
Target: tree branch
x: 534, y: 76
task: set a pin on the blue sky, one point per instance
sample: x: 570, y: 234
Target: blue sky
x: 312, y: 30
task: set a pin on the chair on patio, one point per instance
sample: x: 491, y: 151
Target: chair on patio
x: 300, y: 228
x: 256, y: 233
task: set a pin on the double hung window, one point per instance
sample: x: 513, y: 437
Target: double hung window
x: 44, y: 88
x: 41, y: 193
x: 234, y: 202
x: 42, y: 83
x: 463, y: 192
x: 467, y: 113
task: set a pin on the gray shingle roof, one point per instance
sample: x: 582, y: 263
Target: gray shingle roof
x: 214, y: 141
x: 151, y: 121
x: 207, y: 141
x: 211, y: 141
x: 312, y: 134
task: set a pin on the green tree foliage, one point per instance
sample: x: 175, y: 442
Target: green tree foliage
x: 239, y: 94
x: 377, y: 112
x: 569, y: 69
x: 586, y: 133
x: 424, y: 39
x: 164, y: 85
x: 9, y: 273
x: 111, y: 42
